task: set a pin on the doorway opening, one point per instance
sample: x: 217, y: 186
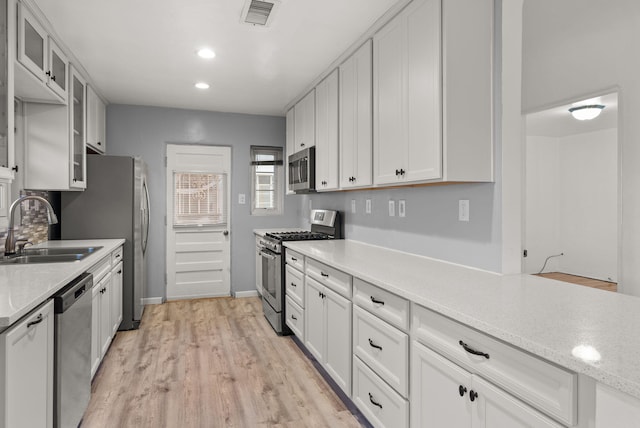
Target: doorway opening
x: 572, y: 203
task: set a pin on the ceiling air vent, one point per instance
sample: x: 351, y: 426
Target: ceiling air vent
x: 258, y: 12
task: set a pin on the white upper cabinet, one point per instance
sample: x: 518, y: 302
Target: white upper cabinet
x: 96, y: 122
x: 304, y: 122
x: 291, y: 144
x: 327, y: 133
x: 407, y: 96
x: 7, y: 154
x: 42, y: 74
x: 78, y: 130
x: 355, y: 119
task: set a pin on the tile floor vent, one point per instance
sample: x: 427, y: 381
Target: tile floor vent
x: 258, y: 12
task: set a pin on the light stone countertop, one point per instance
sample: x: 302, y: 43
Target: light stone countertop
x: 547, y: 318
x: 24, y: 287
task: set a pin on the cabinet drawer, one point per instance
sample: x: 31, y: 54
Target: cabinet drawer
x: 542, y: 384
x: 388, y: 306
x: 116, y: 256
x: 295, y: 318
x: 339, y: 282
x: 382, y: 406
x: 100, y: 269
x: 383, y: 347
x: 295, y: 285
x: 294, y: 259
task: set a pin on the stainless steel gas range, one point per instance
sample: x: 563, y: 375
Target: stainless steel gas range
x: 325, y: 224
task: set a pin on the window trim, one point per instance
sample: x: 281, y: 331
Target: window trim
x: 279, y: 177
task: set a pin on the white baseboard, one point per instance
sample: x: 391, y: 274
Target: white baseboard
x: 251, y: 293
x: 152, y: 301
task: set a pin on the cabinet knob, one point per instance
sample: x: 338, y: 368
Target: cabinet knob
x: 473, y: 395
x: 53, y: 78
x: 301, y: 144
x: 48, y: 73
x: 402, y: 171
x: 397, y: 172
x: 99, y: 143
x: 15, y: 168
x: 462, y: 390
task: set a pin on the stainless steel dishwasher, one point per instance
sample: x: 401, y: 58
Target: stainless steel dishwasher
x: 72, y: 361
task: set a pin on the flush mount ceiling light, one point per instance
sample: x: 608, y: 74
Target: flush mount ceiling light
x: 206, y: 53
x: 586, y: 112
x: 202, y: 85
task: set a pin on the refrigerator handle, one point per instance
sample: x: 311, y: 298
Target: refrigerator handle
x: 147, y: 213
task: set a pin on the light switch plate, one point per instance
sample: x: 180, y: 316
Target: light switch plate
x: 353, y: 206
x: 241, y: 198
x: 463, y: 210
x: 392, y: 208
x: 401, y: 208
x: 367, y: 206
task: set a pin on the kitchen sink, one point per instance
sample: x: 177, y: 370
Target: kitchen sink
x: 58, y: 251
x: 49, y: 255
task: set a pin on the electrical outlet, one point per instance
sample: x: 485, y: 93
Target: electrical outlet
x: 353, y: 206
x: 241, y: 198
x: 392, y: 208
x: 367, y: 206
x: 463, y: 210
x: 401, y: 208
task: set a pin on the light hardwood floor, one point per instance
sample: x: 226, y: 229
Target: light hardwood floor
x: 210, y: 363
x: 581, y: 280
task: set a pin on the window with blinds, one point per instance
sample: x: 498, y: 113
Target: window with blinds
x: 266, y: 180
x: 199, y: 199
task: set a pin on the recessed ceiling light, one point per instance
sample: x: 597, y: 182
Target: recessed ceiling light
x: 206, y: 53
x: 202, y: 85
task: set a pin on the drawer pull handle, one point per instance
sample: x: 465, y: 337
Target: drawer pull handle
x: 293, y: 259
x: 376, y: 301
x: 38, y: 320
x: 374, y: 401
x: 473, y: 351
x: 473, y: 395
x: 462, y: 390
x: 326, y: 275
x: 373, y: 345
x: 293, y: 284
x: 293, y: 317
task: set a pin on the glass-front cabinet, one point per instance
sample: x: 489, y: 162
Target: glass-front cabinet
x: 7, y: 164
x: 77, y: 127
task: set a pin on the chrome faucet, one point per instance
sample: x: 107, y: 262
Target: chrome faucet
x: 10, y: 243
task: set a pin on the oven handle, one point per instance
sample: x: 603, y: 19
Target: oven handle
x: 267, y: 255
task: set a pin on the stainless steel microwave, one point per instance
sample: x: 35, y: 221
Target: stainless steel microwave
x: 302, y: 171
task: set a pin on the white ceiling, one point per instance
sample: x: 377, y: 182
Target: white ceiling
x: 143, y: 51
x: 558, y: 122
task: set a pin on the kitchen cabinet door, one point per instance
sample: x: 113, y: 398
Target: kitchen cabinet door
x: 407, y: 96
x: 32, y: 43
x: 314, y: 318
x: 327, y: 133
x: 26, y: 367
x: 356, y: 118
x: 96, y: 117
x: 338, y: 352
x: 105, y: 314
x: 304, y: 122
x: 291, y: 144
x: 96, y: 355
x: 116, y: 298
x: 496, y: 409
x: 77, y: 128
x: 439, y: 391
x: 58, y: 73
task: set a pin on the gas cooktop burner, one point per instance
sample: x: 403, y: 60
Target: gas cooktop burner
x: 297, y: 236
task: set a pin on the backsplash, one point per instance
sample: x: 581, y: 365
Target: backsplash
x: 34, y: 226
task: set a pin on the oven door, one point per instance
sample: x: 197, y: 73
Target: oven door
x: 272, y: 278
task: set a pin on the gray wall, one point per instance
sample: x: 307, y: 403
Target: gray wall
x: 145, y: 132
x: 431, y: 225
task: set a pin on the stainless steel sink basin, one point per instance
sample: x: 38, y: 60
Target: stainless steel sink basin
x: 58, y: 251
x: 49, y: 255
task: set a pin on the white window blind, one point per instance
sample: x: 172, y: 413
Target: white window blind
x: 266, y: 183
x: 199, y: 199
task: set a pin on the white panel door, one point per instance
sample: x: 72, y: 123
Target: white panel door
x: 439, y: 391
x: 338, y: 353
x: 314, y: 318
x: 327, y: 133
x: 198, y: 221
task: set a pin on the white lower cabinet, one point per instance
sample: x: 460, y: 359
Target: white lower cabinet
x: 444, y: 394
x: 26, y: 371
x: 295, y: 318
x: 381, y: 405
x: 258, y: 265
x: 328, y: 331
x: 116, y: 298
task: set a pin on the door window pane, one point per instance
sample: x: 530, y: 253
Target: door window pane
x: 199, y: 199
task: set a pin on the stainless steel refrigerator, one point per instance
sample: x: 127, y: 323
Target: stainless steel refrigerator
x: 114, y: 205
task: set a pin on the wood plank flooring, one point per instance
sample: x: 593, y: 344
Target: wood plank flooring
x: 210, y: 363
x: 581, y: 280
